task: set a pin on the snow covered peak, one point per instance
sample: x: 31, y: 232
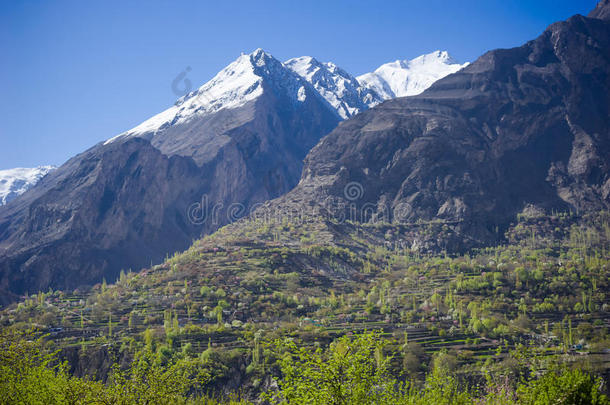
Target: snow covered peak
x: 260, y: 58
x: 313, y: 70
x: 434, y: 57
x: 338, y: 87
x: 349, y: 95
x: 410, y: 77
x: 234, y: 86
x: 14, y: 182
x: 304, y: 66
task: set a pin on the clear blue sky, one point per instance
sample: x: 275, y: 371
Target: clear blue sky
x: 73, y: 73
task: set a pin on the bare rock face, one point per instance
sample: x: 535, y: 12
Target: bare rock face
x: 602, y: 11
x: 528, y: 126
x: 136, y: 198
x: 98, y: 213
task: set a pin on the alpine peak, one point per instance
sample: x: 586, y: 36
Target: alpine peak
x: 410, y: 77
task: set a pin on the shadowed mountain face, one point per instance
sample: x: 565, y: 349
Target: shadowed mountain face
x: 134, y: 199
x: 518, y: 129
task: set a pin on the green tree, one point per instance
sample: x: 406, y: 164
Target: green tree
x: 30, y: 375
x: 146, y: 381
x: 562, y: 387
x: 350, y: 371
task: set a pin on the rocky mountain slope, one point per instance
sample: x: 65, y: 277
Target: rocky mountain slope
x: 519, y: 129
x: 14, y: 182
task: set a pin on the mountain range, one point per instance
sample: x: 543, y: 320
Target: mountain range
x: 517, y: 131
x: 235, y: 142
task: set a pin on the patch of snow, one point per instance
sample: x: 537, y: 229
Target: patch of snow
x: 14, y: 182
x: 302, y: 94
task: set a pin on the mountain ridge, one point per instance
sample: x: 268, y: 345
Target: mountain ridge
x: 339, y: 88
x: 601, y: 11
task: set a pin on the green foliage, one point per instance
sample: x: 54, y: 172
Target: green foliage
x: 148, y: 381
x: 565, y: 387
x: 354, y: 370
x: 242, y: 287
x: 350, y: 371
x: 30, y: 376
x: 439, y: 389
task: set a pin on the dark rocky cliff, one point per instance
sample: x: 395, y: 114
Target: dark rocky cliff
x: 522, y: 128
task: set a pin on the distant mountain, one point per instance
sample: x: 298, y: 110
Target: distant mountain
x: 519, y: 130
x: 14, y: 182
x: 349, y: 95
x: 410, y: 77
x: 236, y: 141
x: 338, y: 87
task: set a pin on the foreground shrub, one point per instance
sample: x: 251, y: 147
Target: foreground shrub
x: 565, y: 387
x: 352, y: 370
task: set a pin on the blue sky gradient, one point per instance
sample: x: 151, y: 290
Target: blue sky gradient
x: 74, y: 73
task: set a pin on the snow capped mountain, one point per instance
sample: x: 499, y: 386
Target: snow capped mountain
x: 244, y: 81
x: 410, y: 77
x: 234, y: 86
x: 237, y: 141
x: 349, y: 95
x: 338, y: 87
x: 14, y: 182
